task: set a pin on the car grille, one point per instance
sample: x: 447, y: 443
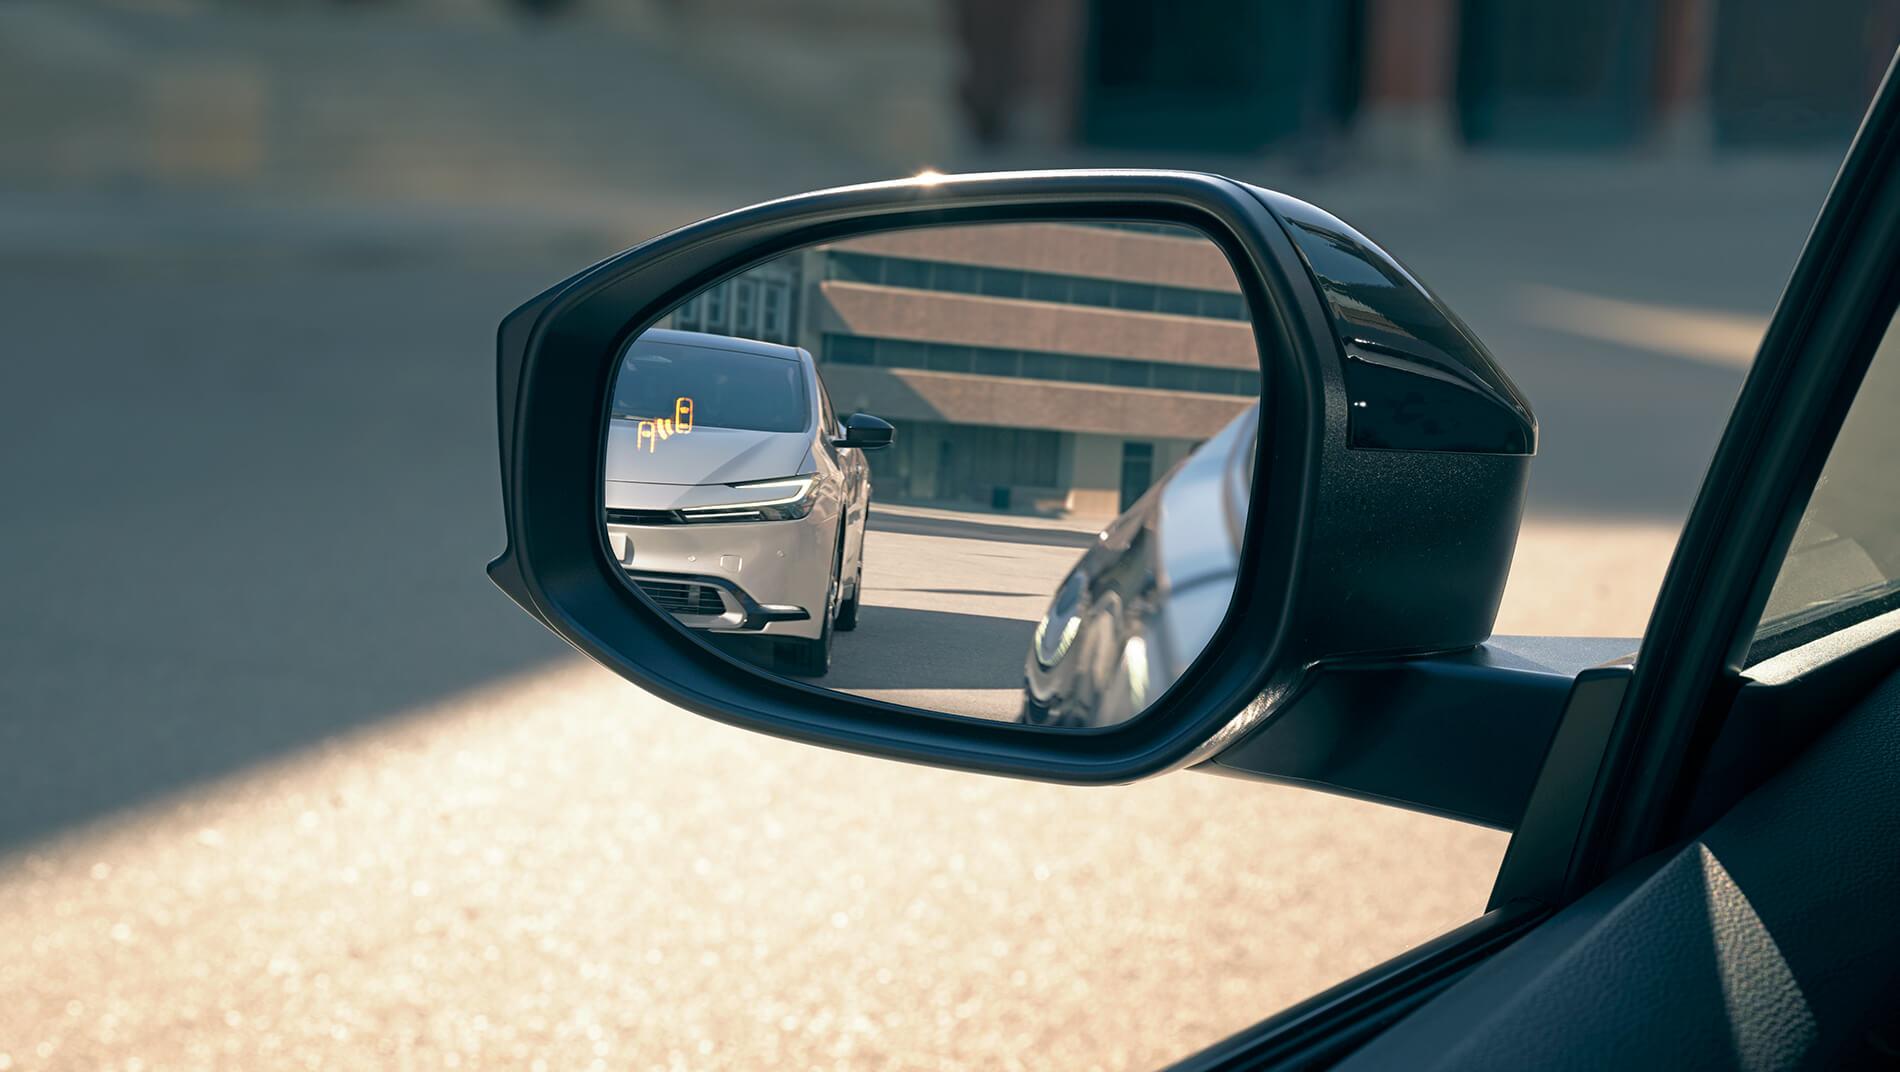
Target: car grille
x: 643, y: 517
x: 705, y: 515
x: 683, y: 597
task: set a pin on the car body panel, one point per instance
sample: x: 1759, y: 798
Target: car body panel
x: 1159, y: 581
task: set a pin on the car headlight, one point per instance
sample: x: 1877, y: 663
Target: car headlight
x: 782, y: 499
x: 1134, y: 670
x: 1057, y: 630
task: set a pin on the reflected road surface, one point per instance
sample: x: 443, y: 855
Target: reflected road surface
x: 951, y: 601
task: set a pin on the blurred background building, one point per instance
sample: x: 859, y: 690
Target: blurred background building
x: 1056, y: 368
x: 1401, y: 81
x: 1000, y: 82
x: 1419, y: 78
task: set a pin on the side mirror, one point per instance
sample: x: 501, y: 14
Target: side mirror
x: 1192, y: 473
x: 865, y: 432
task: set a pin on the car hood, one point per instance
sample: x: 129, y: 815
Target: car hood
x: 704, y: 456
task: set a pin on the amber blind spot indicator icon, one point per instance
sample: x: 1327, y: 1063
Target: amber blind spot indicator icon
x: 649, y: 432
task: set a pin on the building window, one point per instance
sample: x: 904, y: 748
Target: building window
x: 1223, y: 306
x: 1001, y: 283
x: 745, y: 295
x: 989, y: 362
x: 1049, y: 288
x: 772, y: 312
x: 1178, y: 302
x: 957, y: 278
x: 1099, y: 292
x: 912, y: 274
x: 854, y: 267
x: 1138, y: 297
x: 686, y: 317
x: 715, y: 318
x: 903, y: 353
x: 948, y: 359
x: 1032, y: 286
x: 1031, y: 365
x: 849, y: 350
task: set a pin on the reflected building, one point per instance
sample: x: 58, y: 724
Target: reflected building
x: 1057, y: 368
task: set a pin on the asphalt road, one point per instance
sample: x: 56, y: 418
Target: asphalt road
x: 951, y: 601
x: 285, y: 782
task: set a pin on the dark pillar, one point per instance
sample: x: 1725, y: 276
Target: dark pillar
x: 1684, y: 35
x: 1411, y: 74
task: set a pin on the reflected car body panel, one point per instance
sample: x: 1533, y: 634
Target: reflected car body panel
x: 686, y: 530
x: 1145, y: 600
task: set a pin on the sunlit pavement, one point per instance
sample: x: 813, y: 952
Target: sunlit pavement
x: 284, y: 781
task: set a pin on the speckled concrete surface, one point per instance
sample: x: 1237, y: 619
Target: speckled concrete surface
x: 555, y: 871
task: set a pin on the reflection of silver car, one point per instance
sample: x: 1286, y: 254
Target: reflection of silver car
x: 1145, y: 600
x: 734, y: 498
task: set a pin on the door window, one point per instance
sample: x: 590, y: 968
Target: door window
x: 1843, y: 564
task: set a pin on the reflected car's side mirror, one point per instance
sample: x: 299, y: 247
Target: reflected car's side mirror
x: 1311, y: 475
x: 865, y: 432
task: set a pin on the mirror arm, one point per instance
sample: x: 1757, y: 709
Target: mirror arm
x: 1461, y: 734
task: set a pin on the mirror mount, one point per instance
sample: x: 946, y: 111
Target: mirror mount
x: 865, y: 432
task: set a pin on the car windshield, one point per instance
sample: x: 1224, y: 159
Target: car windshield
x: 728, y: 388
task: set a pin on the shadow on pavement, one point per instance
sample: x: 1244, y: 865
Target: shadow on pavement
x: 257, y: 516
x: 900, y: 648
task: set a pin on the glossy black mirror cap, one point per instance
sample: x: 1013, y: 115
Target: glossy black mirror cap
x: 1346, y: 551
x: 865, y: 432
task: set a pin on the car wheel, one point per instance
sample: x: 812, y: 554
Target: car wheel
x: 812, y: 658
x: 848, y: 610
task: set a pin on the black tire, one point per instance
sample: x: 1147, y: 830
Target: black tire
x: 802, y: 657
x: 848, y: 609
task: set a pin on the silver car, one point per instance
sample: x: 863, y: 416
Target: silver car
x: 1144, y: 601
x: 735, y: 498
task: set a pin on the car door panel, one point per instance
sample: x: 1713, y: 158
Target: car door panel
x: 1768, y: 942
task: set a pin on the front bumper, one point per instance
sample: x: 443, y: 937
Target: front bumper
x: 757, y: 577
x: 703, y: 602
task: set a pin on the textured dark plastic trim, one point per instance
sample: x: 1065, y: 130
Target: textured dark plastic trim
x: 1461, y: 735
x: 1537, y: 864
x: 1328, y: 1026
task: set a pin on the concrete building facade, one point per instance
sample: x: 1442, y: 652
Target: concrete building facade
x: 1050, y: 367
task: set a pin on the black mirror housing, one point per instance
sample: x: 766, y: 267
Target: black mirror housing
x: 865, y: 432
x: 1388, y: 483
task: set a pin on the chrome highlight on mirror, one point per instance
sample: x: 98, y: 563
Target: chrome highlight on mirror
x: 1058, y: 420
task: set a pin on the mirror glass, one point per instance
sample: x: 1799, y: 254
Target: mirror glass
x: 999, y: 471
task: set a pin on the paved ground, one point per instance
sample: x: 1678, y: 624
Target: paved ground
x: 951, y: 601
x: 284, y: 782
